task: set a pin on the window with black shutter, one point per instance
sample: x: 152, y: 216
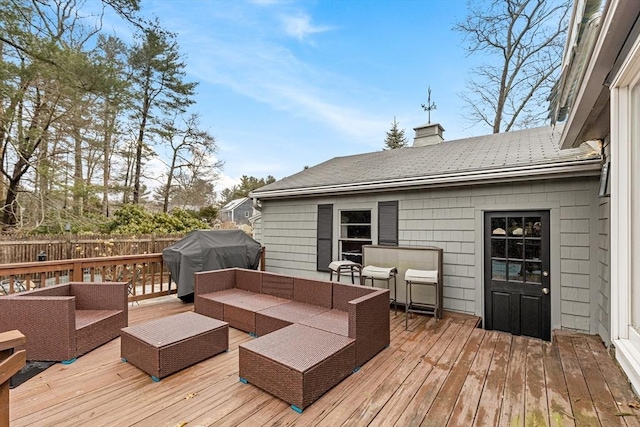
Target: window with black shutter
x: 325, y: 237
x: 388, y: 223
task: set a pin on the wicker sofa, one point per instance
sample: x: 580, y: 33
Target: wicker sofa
x: 62, y: 322
x: 311, y: 333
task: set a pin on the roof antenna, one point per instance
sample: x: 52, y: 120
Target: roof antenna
x: 430, y: 106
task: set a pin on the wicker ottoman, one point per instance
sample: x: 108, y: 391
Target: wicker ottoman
x: 298, y: 363
x: 164, y: 346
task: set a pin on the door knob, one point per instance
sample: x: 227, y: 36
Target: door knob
x: 545, y: 291
x: 545, y: 273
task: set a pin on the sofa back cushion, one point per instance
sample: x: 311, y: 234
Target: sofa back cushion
x: 216, y: 280
x: 249, y: 280
x: 315, y: 292
x: 277, y: 285
x: 343, y: 293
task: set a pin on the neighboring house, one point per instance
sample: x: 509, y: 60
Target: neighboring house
x: 517, y: 217
x: 237, y: 211
x: 599, y: 97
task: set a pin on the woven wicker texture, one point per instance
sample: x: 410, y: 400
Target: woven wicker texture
x: 249, y: 280
x: 49, y: 291
x: 334, y: 321
x: 277, y: 285
x: 343, y: 293
x: 277, y: 317
x: 357, y: 313
x: 99, y: 327
x: 164, y: 346
x: 214, y: 281
x: 102, y: 296
x: 212, y: 304
x: 368, y: 325
x: 241, y: 312
x: 313, y: 292
x: 48, y: 319
x: 297, y: 364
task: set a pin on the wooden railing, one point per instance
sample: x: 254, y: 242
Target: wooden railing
x: 11, y: 361
x: 146, y: 273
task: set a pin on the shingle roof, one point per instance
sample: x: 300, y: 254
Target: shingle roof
x: 538, y: 146
x: 234, y: 204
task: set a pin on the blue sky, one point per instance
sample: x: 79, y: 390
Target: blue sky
x: 284, y: 84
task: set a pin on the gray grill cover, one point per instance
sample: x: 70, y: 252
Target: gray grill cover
x: 205, y: 250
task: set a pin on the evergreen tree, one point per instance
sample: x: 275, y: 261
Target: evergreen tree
x: 247, y: 185
x: 395, y: 137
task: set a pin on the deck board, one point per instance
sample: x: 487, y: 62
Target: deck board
x: 435, y: 373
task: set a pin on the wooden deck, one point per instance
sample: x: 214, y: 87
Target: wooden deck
x: 436, y: 374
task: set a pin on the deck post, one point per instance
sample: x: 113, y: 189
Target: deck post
x: 10, y: 362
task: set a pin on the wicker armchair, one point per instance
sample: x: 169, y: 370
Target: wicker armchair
x: 62, y: 322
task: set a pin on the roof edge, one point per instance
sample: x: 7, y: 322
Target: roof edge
x: 589, y: 167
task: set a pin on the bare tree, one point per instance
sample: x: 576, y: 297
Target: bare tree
x: 192, y: 151
x: 524, y: 40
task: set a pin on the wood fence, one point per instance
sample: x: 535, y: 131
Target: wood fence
x: 18, y: 249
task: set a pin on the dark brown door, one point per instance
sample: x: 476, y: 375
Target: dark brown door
x: 517, y: 285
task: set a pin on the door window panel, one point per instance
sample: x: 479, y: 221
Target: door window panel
x: 532, y: 249
x: 515, y: 271
x: 516, y: 251
x: 498, y: 270
x: 514, y: 227
x: 533, y: 272
x: 533, y: 226
x: 498, y: 248
x: 498, y: 226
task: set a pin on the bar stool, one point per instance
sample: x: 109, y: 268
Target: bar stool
x: 421, y: 277
x: 382, y: 273
x: 339, y: 266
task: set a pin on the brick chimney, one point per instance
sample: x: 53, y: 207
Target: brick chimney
x: 429, y: 134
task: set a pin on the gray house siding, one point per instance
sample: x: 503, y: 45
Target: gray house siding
x: 239, y: 214
x: 603, y: 307
x: 452, y: 218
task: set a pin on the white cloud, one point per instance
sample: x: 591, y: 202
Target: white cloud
x: 224, y: 181
x: 271, y: 74
x: 300, y: 26
x: 265, y: 2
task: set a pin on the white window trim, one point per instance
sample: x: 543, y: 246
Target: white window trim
x: 624, y: 337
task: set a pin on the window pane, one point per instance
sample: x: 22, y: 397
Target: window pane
x: 514, y: 226
x: 355, y: 225
x: 532, y: 249
x: 533, y: 226
x: 498, y: 270
x: 498, y: 226
x: 534, y: 272
x: 498, y: 247
x: 358, y: 231
x: 515, y: 249
x: 355, y: 217
x: 515, y: 271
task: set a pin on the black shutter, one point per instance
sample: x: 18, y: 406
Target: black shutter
x: 325, y: 237
x: 388, y: 223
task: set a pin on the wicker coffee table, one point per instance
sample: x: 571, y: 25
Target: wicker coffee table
x: 164, y: 346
